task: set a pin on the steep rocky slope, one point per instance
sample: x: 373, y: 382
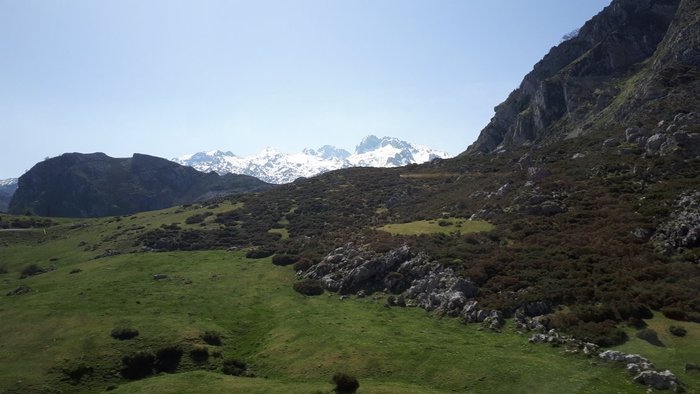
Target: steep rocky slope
x: 634, y: 62
x: 88, y: 185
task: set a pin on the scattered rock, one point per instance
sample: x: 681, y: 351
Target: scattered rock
x: 19, y: 291
x: 611, y: 143
x: 537, y: 173
x: 682, y: 230
x: 614, y: 355
x: 525, y: 161
x: 160, y: 276
x: 578, y: 156
x: 641, y: 234
x: 664, y: 380
x: 691, y: 367
x: 494, y: 321
x: 553, y: 338
x: 654, y: 143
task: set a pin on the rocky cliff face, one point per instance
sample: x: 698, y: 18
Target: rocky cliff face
x: 88, y: 185
x: 622, y: 62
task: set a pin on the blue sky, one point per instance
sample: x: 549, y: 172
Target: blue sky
x: 173, y: 77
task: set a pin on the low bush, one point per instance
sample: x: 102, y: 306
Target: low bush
x: 3, y: 269
x: 650, y: 336
x: 124, y: 333
x: 675, y: 313
x: 345, y: 383
x: 211, y: 338
x: 678, y: 331
x: 168, y: 359
x: 310, y: 287
x: 75, y: 271
x: 31, y: 270
x: 234, y: 367
x: 636, y: 323
x: 259, y: 253
x: 138, y: 365
x: 303, y: 265
x: 284, y: 259
x: 199, y: 354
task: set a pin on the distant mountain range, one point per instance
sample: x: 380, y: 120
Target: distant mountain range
x: 276, y: 167
x: 7, y: 189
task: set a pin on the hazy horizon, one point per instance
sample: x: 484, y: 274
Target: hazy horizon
x: 168, y: 78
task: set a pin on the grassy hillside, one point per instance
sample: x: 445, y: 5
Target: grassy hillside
x: 291, y: 343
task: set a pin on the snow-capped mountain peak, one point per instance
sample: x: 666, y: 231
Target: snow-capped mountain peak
x: 273, y: 166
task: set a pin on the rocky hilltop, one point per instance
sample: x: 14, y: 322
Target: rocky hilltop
x: 89, y: 185
x: 634, y: 62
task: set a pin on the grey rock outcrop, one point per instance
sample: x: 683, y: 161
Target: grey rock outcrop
x: 415, y: 278
x: 664, y: 380
x: 682, y: 230
x: 643, y: 370
x: 555, y: 339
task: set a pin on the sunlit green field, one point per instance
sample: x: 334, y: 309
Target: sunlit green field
x: 438, y: 226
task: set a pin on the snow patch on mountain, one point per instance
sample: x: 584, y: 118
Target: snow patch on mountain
x: 8, y: 182
x: 277, y: 167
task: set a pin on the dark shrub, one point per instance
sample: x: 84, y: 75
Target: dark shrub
x: 211, y: 337
x: 650, y: 336
x: 3, y: 269
x: 76, y: 373
x: 199, y: 354
x: 674, y: 313
x: 345, y: 383
x: 303, y: 265
x: 124, y: 333
x: 138, y: 365
x: 310, y: 287
x: 396, y: 282
x: 677, y: 331
x: 636, y: 323
x: 259, y: 253
x: 31, y: 270
x: 284, y: 259
x: 234, y: 367
x: 75, y: 271
x: 168, y: 358
x: 603, y: 334
x: 443, y: 223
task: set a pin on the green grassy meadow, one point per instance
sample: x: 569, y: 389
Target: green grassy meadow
x: 292, y: 343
